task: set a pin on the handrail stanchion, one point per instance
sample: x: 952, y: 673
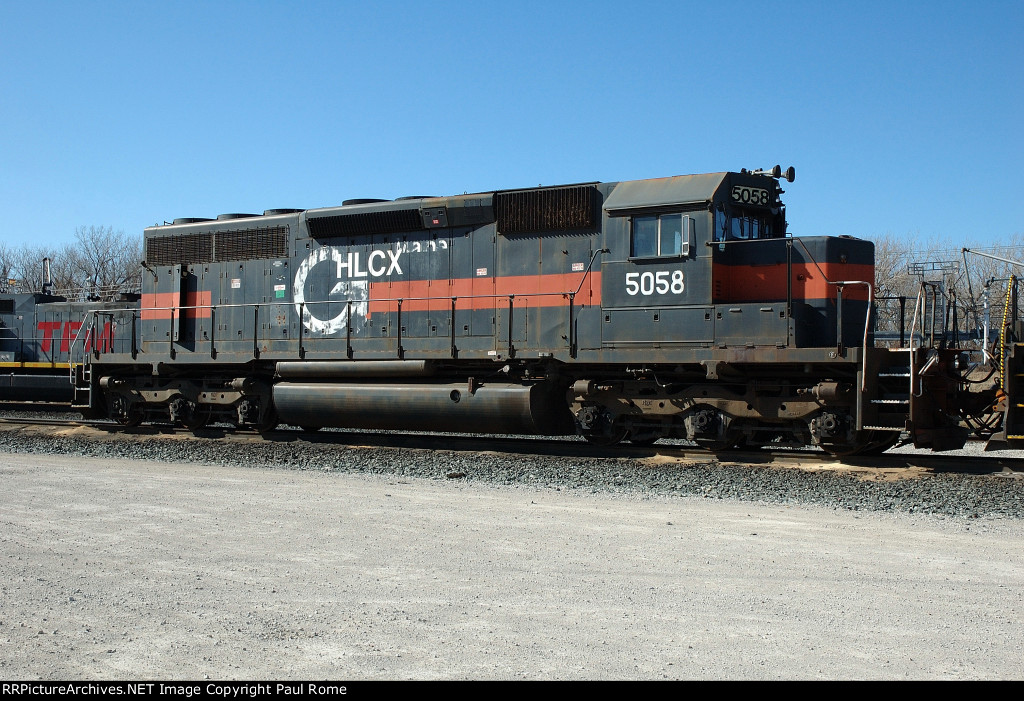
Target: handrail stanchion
x: 455, y: 350
x: 255, y: 331
x: 511, y: 311
x: 401, y: 351
x: 348, y: 329
x: 839, y: 320
x: 572, y: 331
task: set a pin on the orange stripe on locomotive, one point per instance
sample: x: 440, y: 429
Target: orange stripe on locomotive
x: 165, y: 305
x: 485, y: 292
x: 810, y: 282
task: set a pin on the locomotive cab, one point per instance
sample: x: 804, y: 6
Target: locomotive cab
x: 739, y: 333
x: 704, y: 261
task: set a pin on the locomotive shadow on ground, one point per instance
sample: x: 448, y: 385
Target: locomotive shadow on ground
x: 938, y: 463
x: 573, y: 447
x: 546, y: 446
x: 161, y: 430
x: 686, y: 455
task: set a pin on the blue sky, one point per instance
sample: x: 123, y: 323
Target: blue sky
x: 901, y: 118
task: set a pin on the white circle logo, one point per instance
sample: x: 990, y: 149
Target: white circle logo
x: 344, y: 298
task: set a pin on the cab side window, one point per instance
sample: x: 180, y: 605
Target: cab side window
x: 645, y: 236
x: 658, y: 236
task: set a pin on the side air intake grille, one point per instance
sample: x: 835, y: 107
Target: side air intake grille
x: 242, y: 244
x: 251, y: 244
x: 183, y: 249
x: 387, y: 222
x: 550, y: 209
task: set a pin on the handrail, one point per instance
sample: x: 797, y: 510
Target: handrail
x: 921, y: 304
x: 181, y: 307
x: 74, y: 342
x: 590, y: 265
x: 910, y: 348
x: 178, y: 311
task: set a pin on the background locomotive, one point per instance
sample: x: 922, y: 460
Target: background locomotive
x: 673, y: 307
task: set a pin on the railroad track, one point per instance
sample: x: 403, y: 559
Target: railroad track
x: 886, y: 466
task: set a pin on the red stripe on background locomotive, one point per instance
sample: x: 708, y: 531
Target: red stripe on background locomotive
x: 50, y: 332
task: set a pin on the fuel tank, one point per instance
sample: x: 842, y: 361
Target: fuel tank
x: 488, y: 408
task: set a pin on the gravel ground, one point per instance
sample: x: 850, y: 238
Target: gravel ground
x: 179, y: 558
x: 948, y: 493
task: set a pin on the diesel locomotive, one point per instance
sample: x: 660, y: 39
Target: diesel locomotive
x: 625, y: 311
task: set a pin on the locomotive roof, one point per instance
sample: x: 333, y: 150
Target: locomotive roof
x: 658, y: 192
x: 622, y: 196
x: 629, y: 194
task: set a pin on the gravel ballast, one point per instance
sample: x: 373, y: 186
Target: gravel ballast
x: 950, y: 493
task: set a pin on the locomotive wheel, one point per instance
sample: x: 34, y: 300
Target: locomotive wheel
x: 715, y: 446
x: 125, y: 412
x: 599, y: 427
x: 132, y: 419
x: 269, y: 421
x: 763, y: 439
x: 842, y: 451
x: 607, y: 438
x: 197, y: 419
x: 877, y: 443
x: 643, y: 439
x: 880, y: 442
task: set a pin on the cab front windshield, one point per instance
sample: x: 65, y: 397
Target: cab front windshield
x: 741, y: 224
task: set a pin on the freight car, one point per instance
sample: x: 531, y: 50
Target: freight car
x: 673, y: 307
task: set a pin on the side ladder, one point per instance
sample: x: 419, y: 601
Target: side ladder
x: 888, y: 391
x: 81, y: 369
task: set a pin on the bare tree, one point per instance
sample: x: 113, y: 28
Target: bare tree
x: 986, y: 283
x: 895, y: 288
x: 26, y: 267
x: 105, y: 261
x: 7, y: 281
x: 970, y: 285
x: 100, y: 264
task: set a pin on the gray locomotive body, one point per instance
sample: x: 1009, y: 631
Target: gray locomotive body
x: 675, y: 307
x: 42, y: 339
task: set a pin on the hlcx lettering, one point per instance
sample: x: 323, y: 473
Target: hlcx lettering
x: 67, y: 331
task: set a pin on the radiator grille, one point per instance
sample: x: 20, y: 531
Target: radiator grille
x: 242, y: 244
x: 549, y: 209
x: 387, y: 222
x: 182, y: 248
x: 251, y: 244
